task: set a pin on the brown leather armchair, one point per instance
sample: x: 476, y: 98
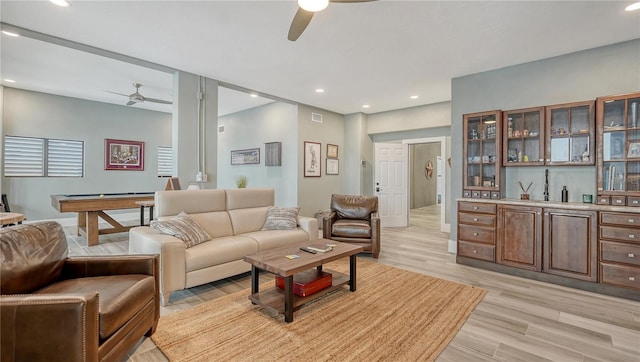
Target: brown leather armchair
x: 354, y: 219
x: 54, y: 308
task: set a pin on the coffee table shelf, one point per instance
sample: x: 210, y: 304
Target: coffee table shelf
x: 273, y: 298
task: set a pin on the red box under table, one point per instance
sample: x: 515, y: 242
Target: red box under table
x: 307, y: 282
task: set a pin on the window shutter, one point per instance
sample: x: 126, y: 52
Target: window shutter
x: 65, y: 158
x: 23, y: 156
x: 165, y: 161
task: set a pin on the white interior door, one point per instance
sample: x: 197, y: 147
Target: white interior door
x: 390, y: 184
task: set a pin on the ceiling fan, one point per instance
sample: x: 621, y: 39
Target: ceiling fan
x: 305, y: 12
x: 138, y: 98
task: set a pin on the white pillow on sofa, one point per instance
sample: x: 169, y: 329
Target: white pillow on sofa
x: 183, y: 227
x: 281, y: 218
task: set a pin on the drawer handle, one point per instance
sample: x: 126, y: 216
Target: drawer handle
x: 631, y: 221
x: 475, y: 208
x: 633, y: 279
x: 475, y: 219
x: 631, y: 255
x: 631, y: 236
x: 476, y: 252
x: 635, y: 202
x: 618, y: 201
x: 475, y: 234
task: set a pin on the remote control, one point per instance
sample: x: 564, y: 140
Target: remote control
x: 304, y: 248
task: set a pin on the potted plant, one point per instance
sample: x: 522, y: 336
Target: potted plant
x: 241, y: 182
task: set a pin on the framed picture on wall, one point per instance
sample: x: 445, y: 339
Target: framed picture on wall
x: 312, y: 159
x: 333, y: 166
x: 249, y: 156
x: 123, y: 155
x: 332, y: 151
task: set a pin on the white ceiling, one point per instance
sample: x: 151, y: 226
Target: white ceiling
x: 378, y: 53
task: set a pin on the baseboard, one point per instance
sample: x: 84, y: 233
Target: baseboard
x: 73, y: 221
x: 452, y: 248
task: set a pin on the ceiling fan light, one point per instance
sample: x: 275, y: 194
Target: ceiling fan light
x: 313, y: 5
x: 632, y: 7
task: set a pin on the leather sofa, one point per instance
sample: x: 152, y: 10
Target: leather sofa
x: 354, y: 219
x: 232, y: 217
x: 55, y: 308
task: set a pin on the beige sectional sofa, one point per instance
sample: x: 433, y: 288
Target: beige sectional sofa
x: 233, y: 218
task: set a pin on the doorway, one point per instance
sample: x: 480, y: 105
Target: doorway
x: 426, y: 187
x: 427, y: 180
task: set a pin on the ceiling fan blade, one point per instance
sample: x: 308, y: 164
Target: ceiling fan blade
x: 131, y: 103
x: 157, y: 100
x: 120, y: 94
x: 299, y: 23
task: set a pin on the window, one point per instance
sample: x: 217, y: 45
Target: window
x: 165, y: 161
x: 65, y: 158
x: 26, y: 156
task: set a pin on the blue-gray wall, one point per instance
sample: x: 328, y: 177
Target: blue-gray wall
x: 273, y: 122
x: 34, y: 114
x: 585, y: 75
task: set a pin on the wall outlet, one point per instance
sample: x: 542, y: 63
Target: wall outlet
x: 201, y: 177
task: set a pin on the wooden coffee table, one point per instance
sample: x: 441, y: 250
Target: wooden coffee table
x: 274, y: 261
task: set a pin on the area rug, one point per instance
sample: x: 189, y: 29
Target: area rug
x: 394, y: 315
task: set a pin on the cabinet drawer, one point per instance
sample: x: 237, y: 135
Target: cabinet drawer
x: 477, y: 207
x: 620, y: 252
x: 618, y: 200
x: 603, y: 200
x: 476, y: 219
x: 477, y: 251
x: 620, y: 275
x: 633, y: 201
x: 612, y: 218
x: 478, y: 234
x: 622, y: 234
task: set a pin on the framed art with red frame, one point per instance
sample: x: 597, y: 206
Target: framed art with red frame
x: 123, y: 155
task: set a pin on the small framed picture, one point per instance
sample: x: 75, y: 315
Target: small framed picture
x: 333, y: 166
x: 312, y: 159
x: 634, y: 150
x: 332, y: 151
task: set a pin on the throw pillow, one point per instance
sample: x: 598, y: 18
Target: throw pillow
x: 281, y: 218
x: 184, y: 228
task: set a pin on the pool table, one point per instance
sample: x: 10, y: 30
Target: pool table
x: 90, y: 207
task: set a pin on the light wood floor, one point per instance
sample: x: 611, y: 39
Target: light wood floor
x: 518, y: 320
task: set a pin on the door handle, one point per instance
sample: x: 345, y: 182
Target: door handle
x: 377, y: 189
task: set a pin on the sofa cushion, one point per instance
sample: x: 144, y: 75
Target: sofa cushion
x: 31, y: 256
x: 170, y: 203
x: 248, y: 220
x: 183, y: 227
x: 216, y: 223
x: 249, y: 198
x: 354, y: 206
x: 219, y: 251
x: 120, y: 297
x: 281, y: 218
x: 277, y: 238
x: 351, y: 228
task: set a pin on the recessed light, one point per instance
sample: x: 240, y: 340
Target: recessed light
x: 632, y: 7
x: 365, y: 106
x: 414, y: 97
x: 5, y: 32
x: 62, y: 3
x: 319, y: 90
x: 9, y: 80
x: 254, y: 96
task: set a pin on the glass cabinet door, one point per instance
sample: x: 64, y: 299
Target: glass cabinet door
x: 570, y: 134
x: 619, y: 149
x: 523, y: 137
x: 481, y: 154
